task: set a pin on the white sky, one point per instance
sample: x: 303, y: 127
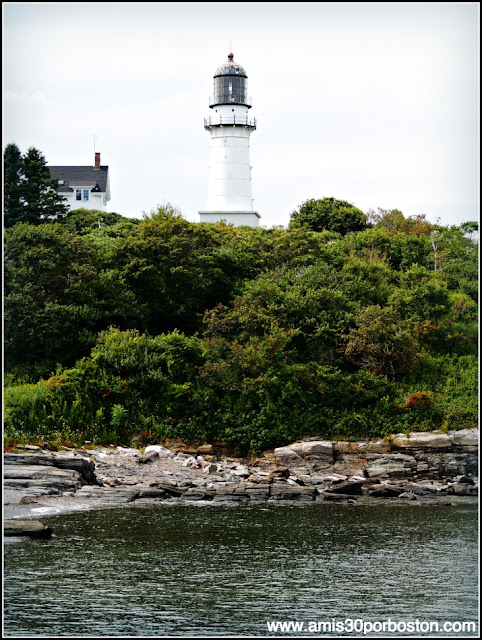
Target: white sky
x: 374, y: 103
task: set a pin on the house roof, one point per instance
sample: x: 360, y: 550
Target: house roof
x: 81, y: 176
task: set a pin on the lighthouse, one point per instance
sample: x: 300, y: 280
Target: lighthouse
x: 230, y: 127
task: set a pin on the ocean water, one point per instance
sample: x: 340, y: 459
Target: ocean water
x: 217, y: 570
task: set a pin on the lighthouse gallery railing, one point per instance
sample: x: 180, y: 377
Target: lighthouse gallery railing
x: 218, y: 121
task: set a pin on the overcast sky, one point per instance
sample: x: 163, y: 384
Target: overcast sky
x: 373, y: 103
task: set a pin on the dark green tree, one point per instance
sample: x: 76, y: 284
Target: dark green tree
x: 39, y: 190
x: 13, y: 176
x: 32, y: 194
x: 329, y: 214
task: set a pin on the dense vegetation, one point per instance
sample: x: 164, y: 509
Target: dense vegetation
x: 343, y: 325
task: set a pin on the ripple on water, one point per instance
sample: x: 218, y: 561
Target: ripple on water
x: 166, y: 571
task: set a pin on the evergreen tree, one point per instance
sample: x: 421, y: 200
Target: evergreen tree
x: 13, y: 176
x: 40, y: 191
x: 30, y: 193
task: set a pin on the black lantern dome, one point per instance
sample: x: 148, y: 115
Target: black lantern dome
x: 230, y: 85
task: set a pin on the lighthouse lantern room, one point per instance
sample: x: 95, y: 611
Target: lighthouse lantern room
x: 230, y: 126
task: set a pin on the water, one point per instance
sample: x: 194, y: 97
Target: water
x: 189, y: 570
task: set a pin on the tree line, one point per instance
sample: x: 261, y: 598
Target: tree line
x: 345, y: 324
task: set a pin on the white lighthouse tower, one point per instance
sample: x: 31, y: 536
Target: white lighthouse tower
x: 229, y: 187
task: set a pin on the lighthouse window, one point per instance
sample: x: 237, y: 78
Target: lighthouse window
x: 230, y: 89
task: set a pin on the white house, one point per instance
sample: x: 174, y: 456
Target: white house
x: 83, y: 187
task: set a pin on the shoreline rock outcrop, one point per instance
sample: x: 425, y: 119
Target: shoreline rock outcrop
x: 422, y: 467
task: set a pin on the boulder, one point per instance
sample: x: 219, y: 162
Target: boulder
x: 421, y: 488
x: 240, y: 470
x: 301, y: 453
x: 198, y: 493
x: 347, y: 487
x: 385, y: 491
x: 316, y: 448
x: 338, y: 497
x: 30, y: 528
x: 462, y: 489
x: 285, y: 491
x: 279, y: 472
x: 210, y: 468
x: 465, y: 437
x: 161, y: 451
x: 332, y: 478
x: 426, y: 440
x: 152, y: 493
x: 84, y: 466
x: 148, y: 458
x: 408, y: 495
x: 287, y: 456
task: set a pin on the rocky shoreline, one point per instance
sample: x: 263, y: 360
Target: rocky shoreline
x: 421, y: 468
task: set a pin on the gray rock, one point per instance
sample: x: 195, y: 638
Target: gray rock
x: 148, y: 458
x: 337, y: 497
x: 462, y: 489
x: 386, y: 491
x: 198, y: 493
x: 347, y: 487
x: 408, y: 495
x: 465, y: 437
x: 391, y: 465
x: 301, y: 453
x: 240, y: 471
x: 38, y: 472
x: 286, y: 456
x: 119, y: 495
x: 317, y: 448
x: 230, y: 497
x: 38, y: 479
x: 28, y: 459
x: 83, y: 466
x: 279, y: 472
x: 284, y: 491
x: 210, y: 468
x: 162, y: 452
x: 152, y: 493
x: 421, y: 488
x: 31, y: 528
x: 426, y: 440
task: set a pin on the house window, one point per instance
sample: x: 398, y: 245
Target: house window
x: 78, y: 194
x: 86, y: 194
x: 61, y: 182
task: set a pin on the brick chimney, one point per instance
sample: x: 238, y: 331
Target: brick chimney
x: 97, y: 160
